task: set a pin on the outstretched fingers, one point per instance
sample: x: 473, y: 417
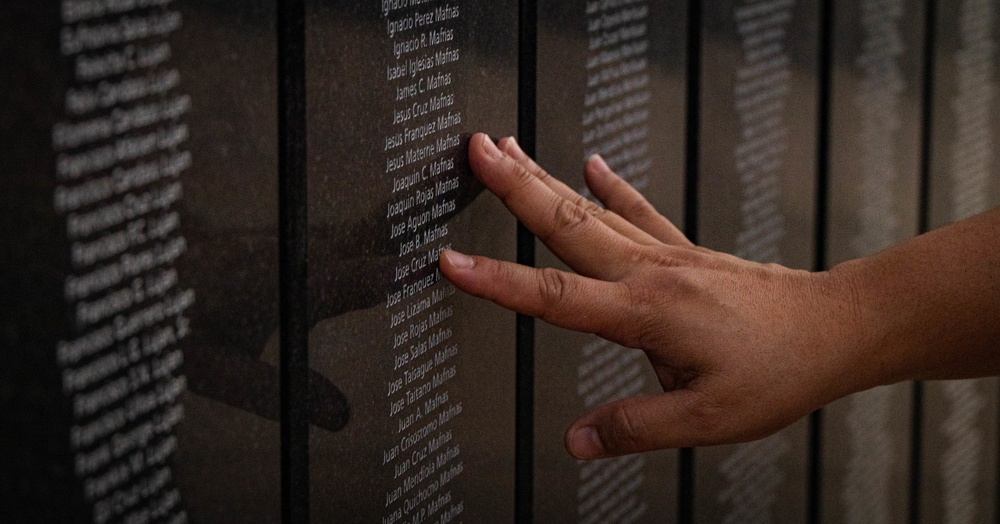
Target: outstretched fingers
x: 570, y: 231
x: 626, y: 201
x: 510, y: 146
x: 557, y: 297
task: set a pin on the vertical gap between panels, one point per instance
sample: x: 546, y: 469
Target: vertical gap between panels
x: 928, y: 116
x: 525, y: 325
x: 686, y: 480
x: 294, y: 367
x: 916, y: 448
x: 825, y: 76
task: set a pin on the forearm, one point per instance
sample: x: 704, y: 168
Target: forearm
x: 929, y: 308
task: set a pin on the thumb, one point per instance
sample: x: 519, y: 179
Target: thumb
x: 633, y: 425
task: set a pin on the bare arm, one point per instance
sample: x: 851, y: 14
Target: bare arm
x: 741, y: 349
x: 931, y: 305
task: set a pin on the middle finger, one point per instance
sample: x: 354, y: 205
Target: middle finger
x: 610, y: 218
x: 583, y: 242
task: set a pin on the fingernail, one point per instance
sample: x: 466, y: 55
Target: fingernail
x: 491, y: 149
x: 514, y: 149
x: 598, y: 162
x: 585, y: 443
x: 459, y: 260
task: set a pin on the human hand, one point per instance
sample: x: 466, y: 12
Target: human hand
x: 741, y: 349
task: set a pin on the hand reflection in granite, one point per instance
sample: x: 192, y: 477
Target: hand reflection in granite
x: 358, y: 259
x: 226, y: 364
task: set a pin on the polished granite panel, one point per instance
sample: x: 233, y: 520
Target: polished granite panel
x: 876, y: 111
x: 424, y: 430
x: 958, y: 458
x: 140, y: 164
x: 874, y: 171
x: 611, y: 80
x: 757, y: 166
x: 959, y: 431
x: 867, y: 445
x: 756, y: 199
x: 227, y: 463
x: 965, y: 131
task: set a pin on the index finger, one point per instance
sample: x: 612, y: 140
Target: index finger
x: 559, y: 298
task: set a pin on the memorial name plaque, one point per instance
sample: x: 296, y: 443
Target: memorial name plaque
x: 874, y: 172
x: 611, y: 80
x: 959, y: 430
x: 140, y: 185
x: 395, y: 91
x: 756, y: 199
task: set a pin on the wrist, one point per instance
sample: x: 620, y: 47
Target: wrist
x: 858, y: 328
x: 892, y: 317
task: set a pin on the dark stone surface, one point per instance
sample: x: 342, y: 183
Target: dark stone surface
x: 610, y: 80
x: 430, y: 433
x: 142, y: 184
x: 875, y: 127
x: 867, y: 446
x: 959, y: 451
x: 959, y: 433
x: 758, y: 130
x: 874, y: 169
x: 227, y: 463
x: 139, y: 267
x: 756, y: 198
x: 964, y: 172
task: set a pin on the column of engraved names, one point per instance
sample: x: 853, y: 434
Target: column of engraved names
x: 865, y: 492
x: 753, y: 475
x: 761, y: 91
x: 865, y: 489
x: 972, y: 174
x: 763, y: 84
x: 609, y: 490
x: 961, y: 461
x: 973, y: 150
x: 616, y: 106
x: 616, y: 115
x: 878, y: 103
x: 424, y: 455
x: 119, y: 156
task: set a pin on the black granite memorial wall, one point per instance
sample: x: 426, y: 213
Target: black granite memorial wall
x: 874, y: 175
x: 395, y: 91
x: 148, y: 254
x: 959, y: 430
x: 611, y: 78
x: 140, y: 266
x: 757, y: 178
